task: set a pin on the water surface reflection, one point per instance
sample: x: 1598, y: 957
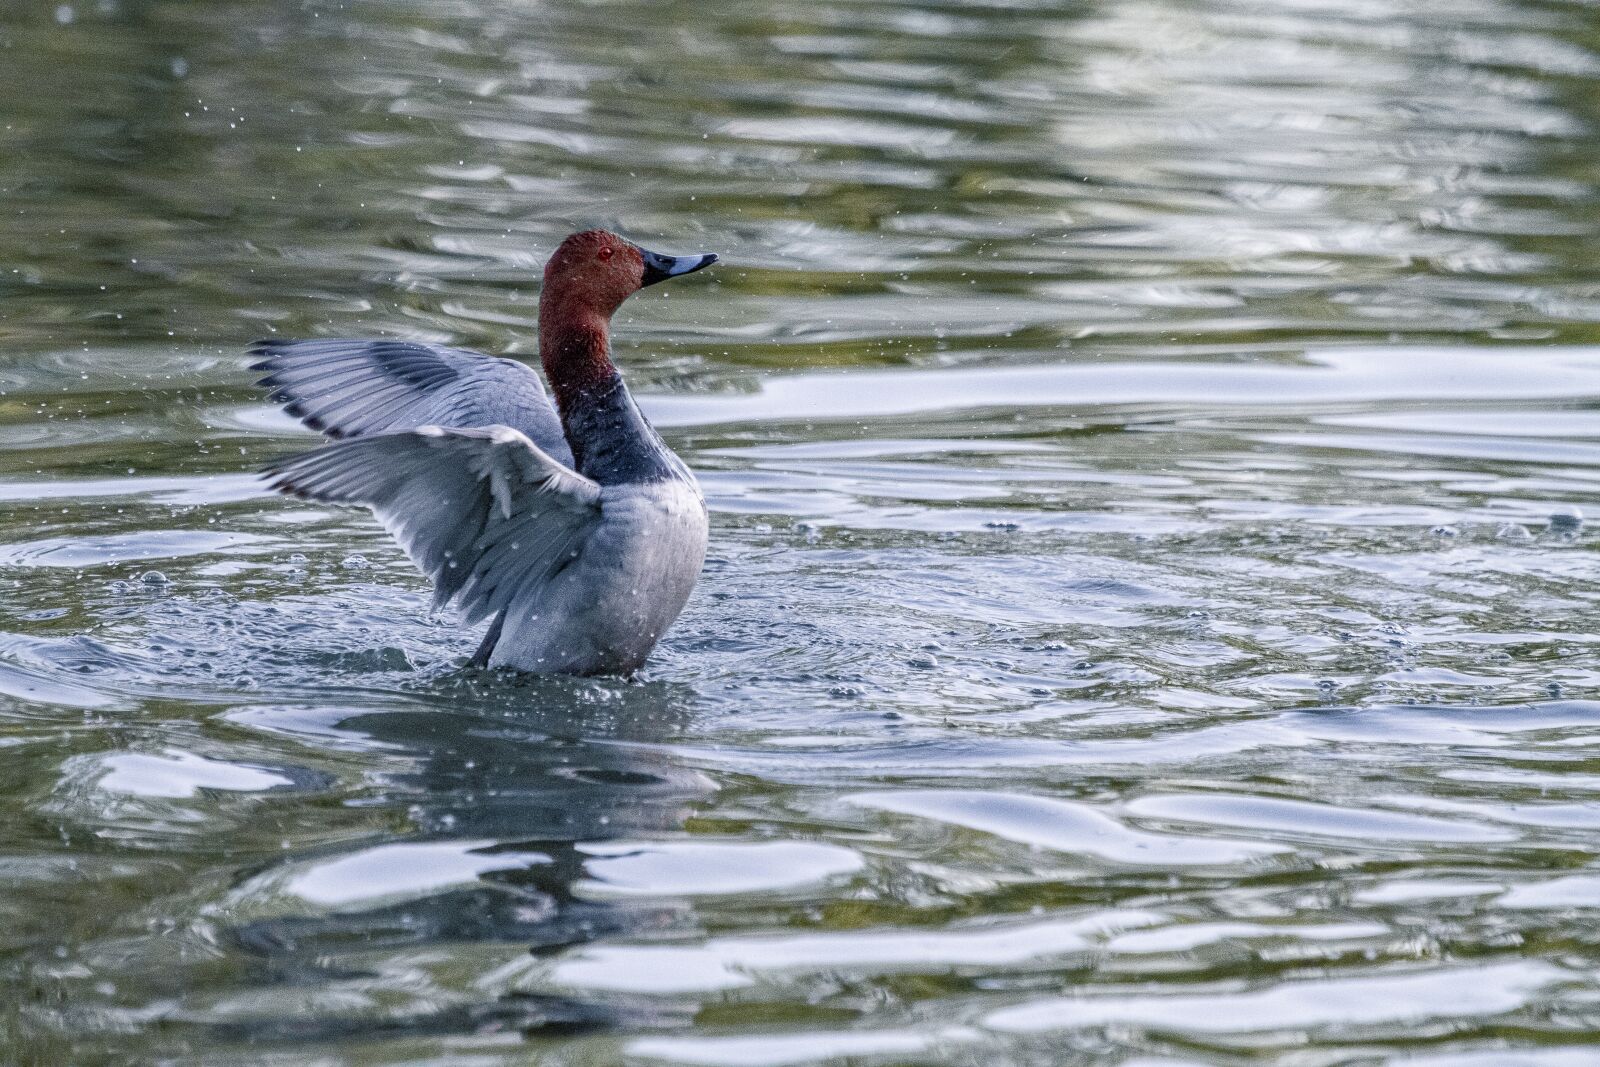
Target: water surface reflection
x: 1152, y: 458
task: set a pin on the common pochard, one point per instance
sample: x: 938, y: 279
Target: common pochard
x: 571, y: 526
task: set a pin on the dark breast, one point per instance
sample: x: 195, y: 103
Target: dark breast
x: 612, y: 441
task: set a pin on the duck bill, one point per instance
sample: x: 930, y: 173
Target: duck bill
x: 658, y: 268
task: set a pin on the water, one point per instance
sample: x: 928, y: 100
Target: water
x: 1150, y: 617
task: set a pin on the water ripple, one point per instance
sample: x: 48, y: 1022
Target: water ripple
x: 1152, y: 456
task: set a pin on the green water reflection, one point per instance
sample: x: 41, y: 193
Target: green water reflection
x: 1150, y: 615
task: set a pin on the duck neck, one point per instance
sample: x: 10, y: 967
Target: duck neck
x: 575, y: 348
x: 611, y: 441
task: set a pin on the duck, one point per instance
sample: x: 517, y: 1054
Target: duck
x: 559, y: 516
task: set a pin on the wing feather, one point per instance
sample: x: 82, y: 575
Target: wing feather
x: 352, y: 388
x: 484, y: 512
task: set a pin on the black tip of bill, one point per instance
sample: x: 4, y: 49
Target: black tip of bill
x: 658, y: 268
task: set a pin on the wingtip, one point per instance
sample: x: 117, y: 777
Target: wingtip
x: 264, y: 348
x: 287, y: 487
x: 266, y: 351
x: 277, y: 468
x: 275, y: 481
x: 295, y: 409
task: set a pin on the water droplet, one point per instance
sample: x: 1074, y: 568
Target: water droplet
x: 153, y: 578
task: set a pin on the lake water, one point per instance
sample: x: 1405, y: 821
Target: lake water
x: 1150, y: 617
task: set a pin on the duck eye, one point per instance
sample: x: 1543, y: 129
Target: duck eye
x: 605, y: 253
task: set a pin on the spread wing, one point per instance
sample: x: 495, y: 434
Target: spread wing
x: 483, y: 512
x: 351, y: 388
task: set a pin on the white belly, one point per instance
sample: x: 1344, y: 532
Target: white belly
x: 606, y: 611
